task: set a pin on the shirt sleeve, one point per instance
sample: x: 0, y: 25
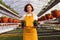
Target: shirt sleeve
x: 22, y: 18
x: 35, y: 17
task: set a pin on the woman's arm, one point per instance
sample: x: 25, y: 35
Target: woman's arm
x: 23, y: 22
x: 35, y: 21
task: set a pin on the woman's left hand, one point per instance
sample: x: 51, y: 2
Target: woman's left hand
x: 35, y: 23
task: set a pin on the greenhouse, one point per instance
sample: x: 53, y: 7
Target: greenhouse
x: 12, y: 23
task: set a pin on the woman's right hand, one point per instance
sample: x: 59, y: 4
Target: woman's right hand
x: 23, y: 24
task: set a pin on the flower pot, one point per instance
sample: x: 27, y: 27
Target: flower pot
x: 10, y: 20
x: 56, y: 13
x: 5, y: 19
x: 0, y: 20
x: 44, y: 18
x: 16, y: 21
x: 49, y: 16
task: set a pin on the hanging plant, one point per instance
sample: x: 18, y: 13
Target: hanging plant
x: 44, y: 17
x: 0, y: 20
x: 10, y: 20
x: 49, y: 16
x: 16, y: 21
x: 4, y: 19
x: 40, y: 19
x: 56, y: 13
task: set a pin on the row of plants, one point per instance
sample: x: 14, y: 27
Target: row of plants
x: 8, y: 20
x: 19, y: 36
x: 8, y: 6
x: 53, y: 14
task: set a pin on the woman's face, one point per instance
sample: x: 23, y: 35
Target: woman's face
x: 29, y: 8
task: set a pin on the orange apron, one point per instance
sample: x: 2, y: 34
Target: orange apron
x: 29, y: 32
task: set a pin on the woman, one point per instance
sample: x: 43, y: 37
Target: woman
x: 29, y: 30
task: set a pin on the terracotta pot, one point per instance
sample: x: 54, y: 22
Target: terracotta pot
x: 39, y: 19
x: 56, y: 13
x: 16, y: 21
x: 49, y: 16
x: 0, y: 20
x: 44, y: 18
x: 10, y: 20
x: 19, y: 21
x: 5, y: 19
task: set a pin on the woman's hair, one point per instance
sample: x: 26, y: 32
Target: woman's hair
x: 25, y: 9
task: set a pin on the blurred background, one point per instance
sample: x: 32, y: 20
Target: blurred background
x: 12, y: 11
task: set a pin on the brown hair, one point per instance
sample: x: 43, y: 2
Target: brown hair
x: 25, y: 9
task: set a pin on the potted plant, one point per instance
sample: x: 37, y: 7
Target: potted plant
x: 0, y: 20
x: 44, y: 17
x: 4, y: 19
x: 10, y: 20
x: 56, y: 13
x: 16, y: 21
x: 49, y: 16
